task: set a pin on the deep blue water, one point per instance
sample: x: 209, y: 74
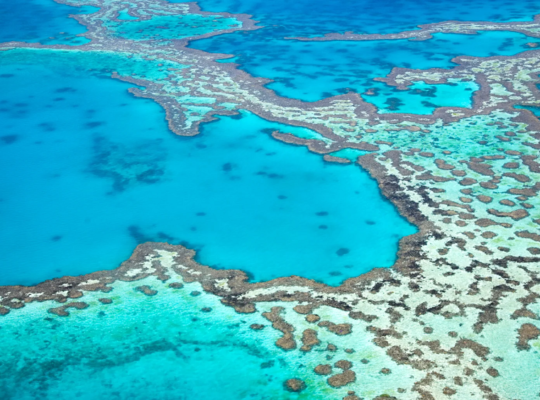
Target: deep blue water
x: 307, y: 17
x: 85, y: 181
x: 41, y: 21
x: 314, y: 70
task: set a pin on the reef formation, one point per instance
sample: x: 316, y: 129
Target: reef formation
x: 425, y: 32
x: 457, y: 315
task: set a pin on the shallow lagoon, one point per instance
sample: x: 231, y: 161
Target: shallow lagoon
x: 85, y: 182
x: 178, y: 344
x: 171, y: 350
x: 178, y: 27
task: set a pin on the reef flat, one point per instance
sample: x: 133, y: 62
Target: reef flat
x: 456, y: 316
x: 425, y: 32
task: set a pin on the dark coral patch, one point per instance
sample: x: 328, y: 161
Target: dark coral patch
x: 267, y: 364
x: 66, y: 90
x: 136, y: 233
x: 342, y: 251
x: 295, y: 385
x: 47, y: 127
x: 9, y: 139
x: 93, y: 124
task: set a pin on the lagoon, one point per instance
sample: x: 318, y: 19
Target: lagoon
x: 89, y: 172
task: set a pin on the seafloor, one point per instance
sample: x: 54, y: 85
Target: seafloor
x: 294, y: 290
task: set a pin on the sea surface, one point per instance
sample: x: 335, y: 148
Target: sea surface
x: 311, y: 71
x: 88, y: 172
x: 85, y: 182
x: 315, y: 18
x: 42, y: 21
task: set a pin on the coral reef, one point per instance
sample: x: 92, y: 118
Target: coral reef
x: 425, y: 32
x: 458, y: 313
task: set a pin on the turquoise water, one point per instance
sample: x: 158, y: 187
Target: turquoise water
x: 422, y: 98
x: 349, y: 154
x: 177, y: 344
x: 88, y: 172
x: 124, y: 16
x: 171, y: 26
x: 86, y: 181
x: 171, y: 350
x: 534, y: 110
x: 102, y: 63
x: 41, y: 21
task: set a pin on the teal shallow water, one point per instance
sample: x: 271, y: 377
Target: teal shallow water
x: 171, y: 26
x: 124, y: 16
x: 178, y: 344
x: 86, y: 180
x: 162, y: 347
